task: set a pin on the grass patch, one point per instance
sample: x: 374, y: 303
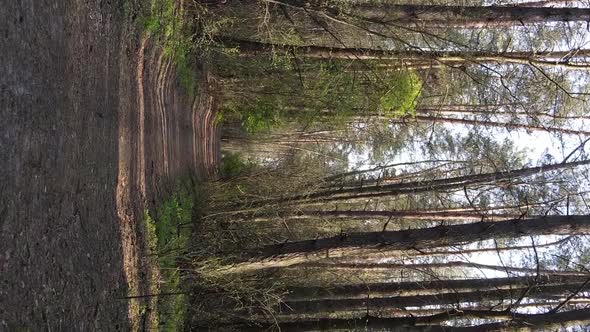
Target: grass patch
x: 168, y: 234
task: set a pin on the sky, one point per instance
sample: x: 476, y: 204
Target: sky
x: 536, y: 145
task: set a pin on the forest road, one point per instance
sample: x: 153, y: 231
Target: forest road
x: 92, y: 120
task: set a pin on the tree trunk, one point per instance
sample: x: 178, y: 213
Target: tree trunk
x: 376, y: 304
x: 559, y: 59
x: 543, y: 3
x: 491, y: 110
x: 473, y: 122
x: 418, y: 186
x: 287, y: 254
x: 432, y: 266
x: 486, y: 123
x: 412, y: 215
x: 415, y: 288
x: 383, y: 178
x: 512, y: 322
x: 551, y: 321
x: 466, y: 16
x: 457, y: 252
x: 341, y: 176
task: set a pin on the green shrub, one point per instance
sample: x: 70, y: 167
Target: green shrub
x: 402, y: 95
x: 232, y: 165
x: 259, y: 117
x: 168, y: 238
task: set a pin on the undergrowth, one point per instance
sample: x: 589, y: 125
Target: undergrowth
x: 185, y: 34
x: 265, y: 94
x: 169, y: 231
x: 194, y: 253
x: 194, y: 292
x: 233, y: 164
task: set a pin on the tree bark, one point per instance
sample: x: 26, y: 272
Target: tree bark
x: 287, y: 254
x: 420, y: 117
x: 559, y: 59
x: 415, y: 288
x: 413, y: 215
x: 432, y: 266
x: 458, y: 252
x: 507, y: 125
x: 341, y: 176
x: 492, y: 110
x: 383, y: 178
x: 543, y: 3
x: 513, y: 322
x: 466, y: 16
x: 418, y: 186
x: 375, y: 304
x: 552, y: 321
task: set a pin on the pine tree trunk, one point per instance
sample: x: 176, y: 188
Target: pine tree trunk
x: 411, y: 215
x: 434, y: 117
x: 433, y: 266
x: 287, y: 254
x: 546, y: 59
x: 416, y: 288
x: 341, y: 176
x: 419, y: 186
x: 376, y: 304
x: 543, y: 3
x: 452, y: 253
x: 551, y: 321
x: 491, y: 110
x: 466, y: 16
x: 506, y: 125
x: 511, y: 322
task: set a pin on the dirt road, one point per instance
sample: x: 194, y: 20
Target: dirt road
x: 91, y: 121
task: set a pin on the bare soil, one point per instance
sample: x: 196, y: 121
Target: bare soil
x: 91, y: 122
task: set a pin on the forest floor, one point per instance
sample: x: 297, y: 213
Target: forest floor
x: 92, y: 124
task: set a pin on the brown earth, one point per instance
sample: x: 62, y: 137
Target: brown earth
x: 92, y: 121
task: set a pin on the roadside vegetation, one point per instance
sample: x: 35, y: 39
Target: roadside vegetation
x: 169, y: 229
x: 185, y: 34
